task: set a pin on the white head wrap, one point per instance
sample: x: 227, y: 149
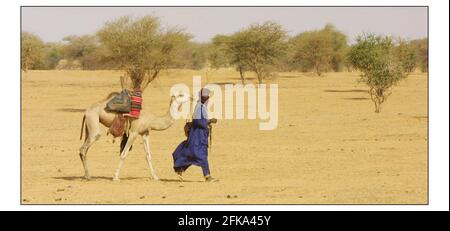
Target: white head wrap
x: 203, y: 92
x: 200, y: 109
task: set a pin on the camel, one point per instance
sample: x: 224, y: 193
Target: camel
x: 96, y: 115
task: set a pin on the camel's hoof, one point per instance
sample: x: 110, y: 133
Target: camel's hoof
x: 116, y: 179
x: 156, y: 178
x: 87, y: 177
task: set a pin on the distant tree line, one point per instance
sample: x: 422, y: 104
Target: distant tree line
x: 143, y: 47
x: 260, y: 48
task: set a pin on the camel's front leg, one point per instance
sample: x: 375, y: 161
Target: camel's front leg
x: 123, y: 155
x: 148, y: 155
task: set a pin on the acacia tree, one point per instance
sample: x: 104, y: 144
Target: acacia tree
x: 223, y: 53
x: 53, y: 53
x: 381, y: 69
x: 406, y: 55
x: 195, y: 56
x: 81, y: 48
x: 142, y: 47
x: 340, y: 47
x: 319, y: 50
x: 257, y: 49
x: 314, y: 51
x: 217, y: 51
x: 32, y: 51
x: 421, y: 52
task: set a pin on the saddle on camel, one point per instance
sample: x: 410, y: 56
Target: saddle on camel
x: 126, y: 104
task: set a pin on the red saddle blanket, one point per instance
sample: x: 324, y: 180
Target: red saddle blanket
x: 136, y: 104
x: 117, y: 128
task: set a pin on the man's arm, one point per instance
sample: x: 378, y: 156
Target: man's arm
x: 200, y: 123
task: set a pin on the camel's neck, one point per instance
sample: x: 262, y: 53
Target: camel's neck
x: 165, y: 121
x: 173, y: 110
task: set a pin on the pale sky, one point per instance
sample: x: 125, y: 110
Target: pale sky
x: 54, y: 23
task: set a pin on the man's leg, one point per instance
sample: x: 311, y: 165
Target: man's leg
x: 179, y: 171
x: 207, y: 173
x: 205, y: 169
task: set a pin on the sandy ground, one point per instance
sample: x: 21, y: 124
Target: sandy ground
x: 329, y: 148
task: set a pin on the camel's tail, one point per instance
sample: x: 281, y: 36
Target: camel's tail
x: 82, y: 126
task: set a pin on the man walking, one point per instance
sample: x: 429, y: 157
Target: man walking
x: 194, y: 150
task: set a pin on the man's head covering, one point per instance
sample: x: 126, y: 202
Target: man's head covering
x: 200, y: 111
x: 203, y: 92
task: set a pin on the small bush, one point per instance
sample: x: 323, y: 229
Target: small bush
x: 381, y: 69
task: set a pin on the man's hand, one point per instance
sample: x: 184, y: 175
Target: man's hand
x: 213, y: 121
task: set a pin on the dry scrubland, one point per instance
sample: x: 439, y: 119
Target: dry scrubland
x: 329, y: 147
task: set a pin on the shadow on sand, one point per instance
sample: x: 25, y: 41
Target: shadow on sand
x: 222, y: 83
x: 81, y: 178
x: 357, y: 98
x: 70, y: 110
x: 178, y: 181
x: 109, y: 178
x: 344, y: 91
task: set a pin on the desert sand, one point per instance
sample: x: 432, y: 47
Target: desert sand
x: 329, y: 147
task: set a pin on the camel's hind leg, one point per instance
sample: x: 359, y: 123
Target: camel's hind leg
x: 148, y: 155
x: 92, y: 135
x: 83, y: 153
x: 132, y: 136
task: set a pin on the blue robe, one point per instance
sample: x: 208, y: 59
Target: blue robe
x: 194, y: 150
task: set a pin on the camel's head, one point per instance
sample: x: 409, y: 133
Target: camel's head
x: 180, y: 98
